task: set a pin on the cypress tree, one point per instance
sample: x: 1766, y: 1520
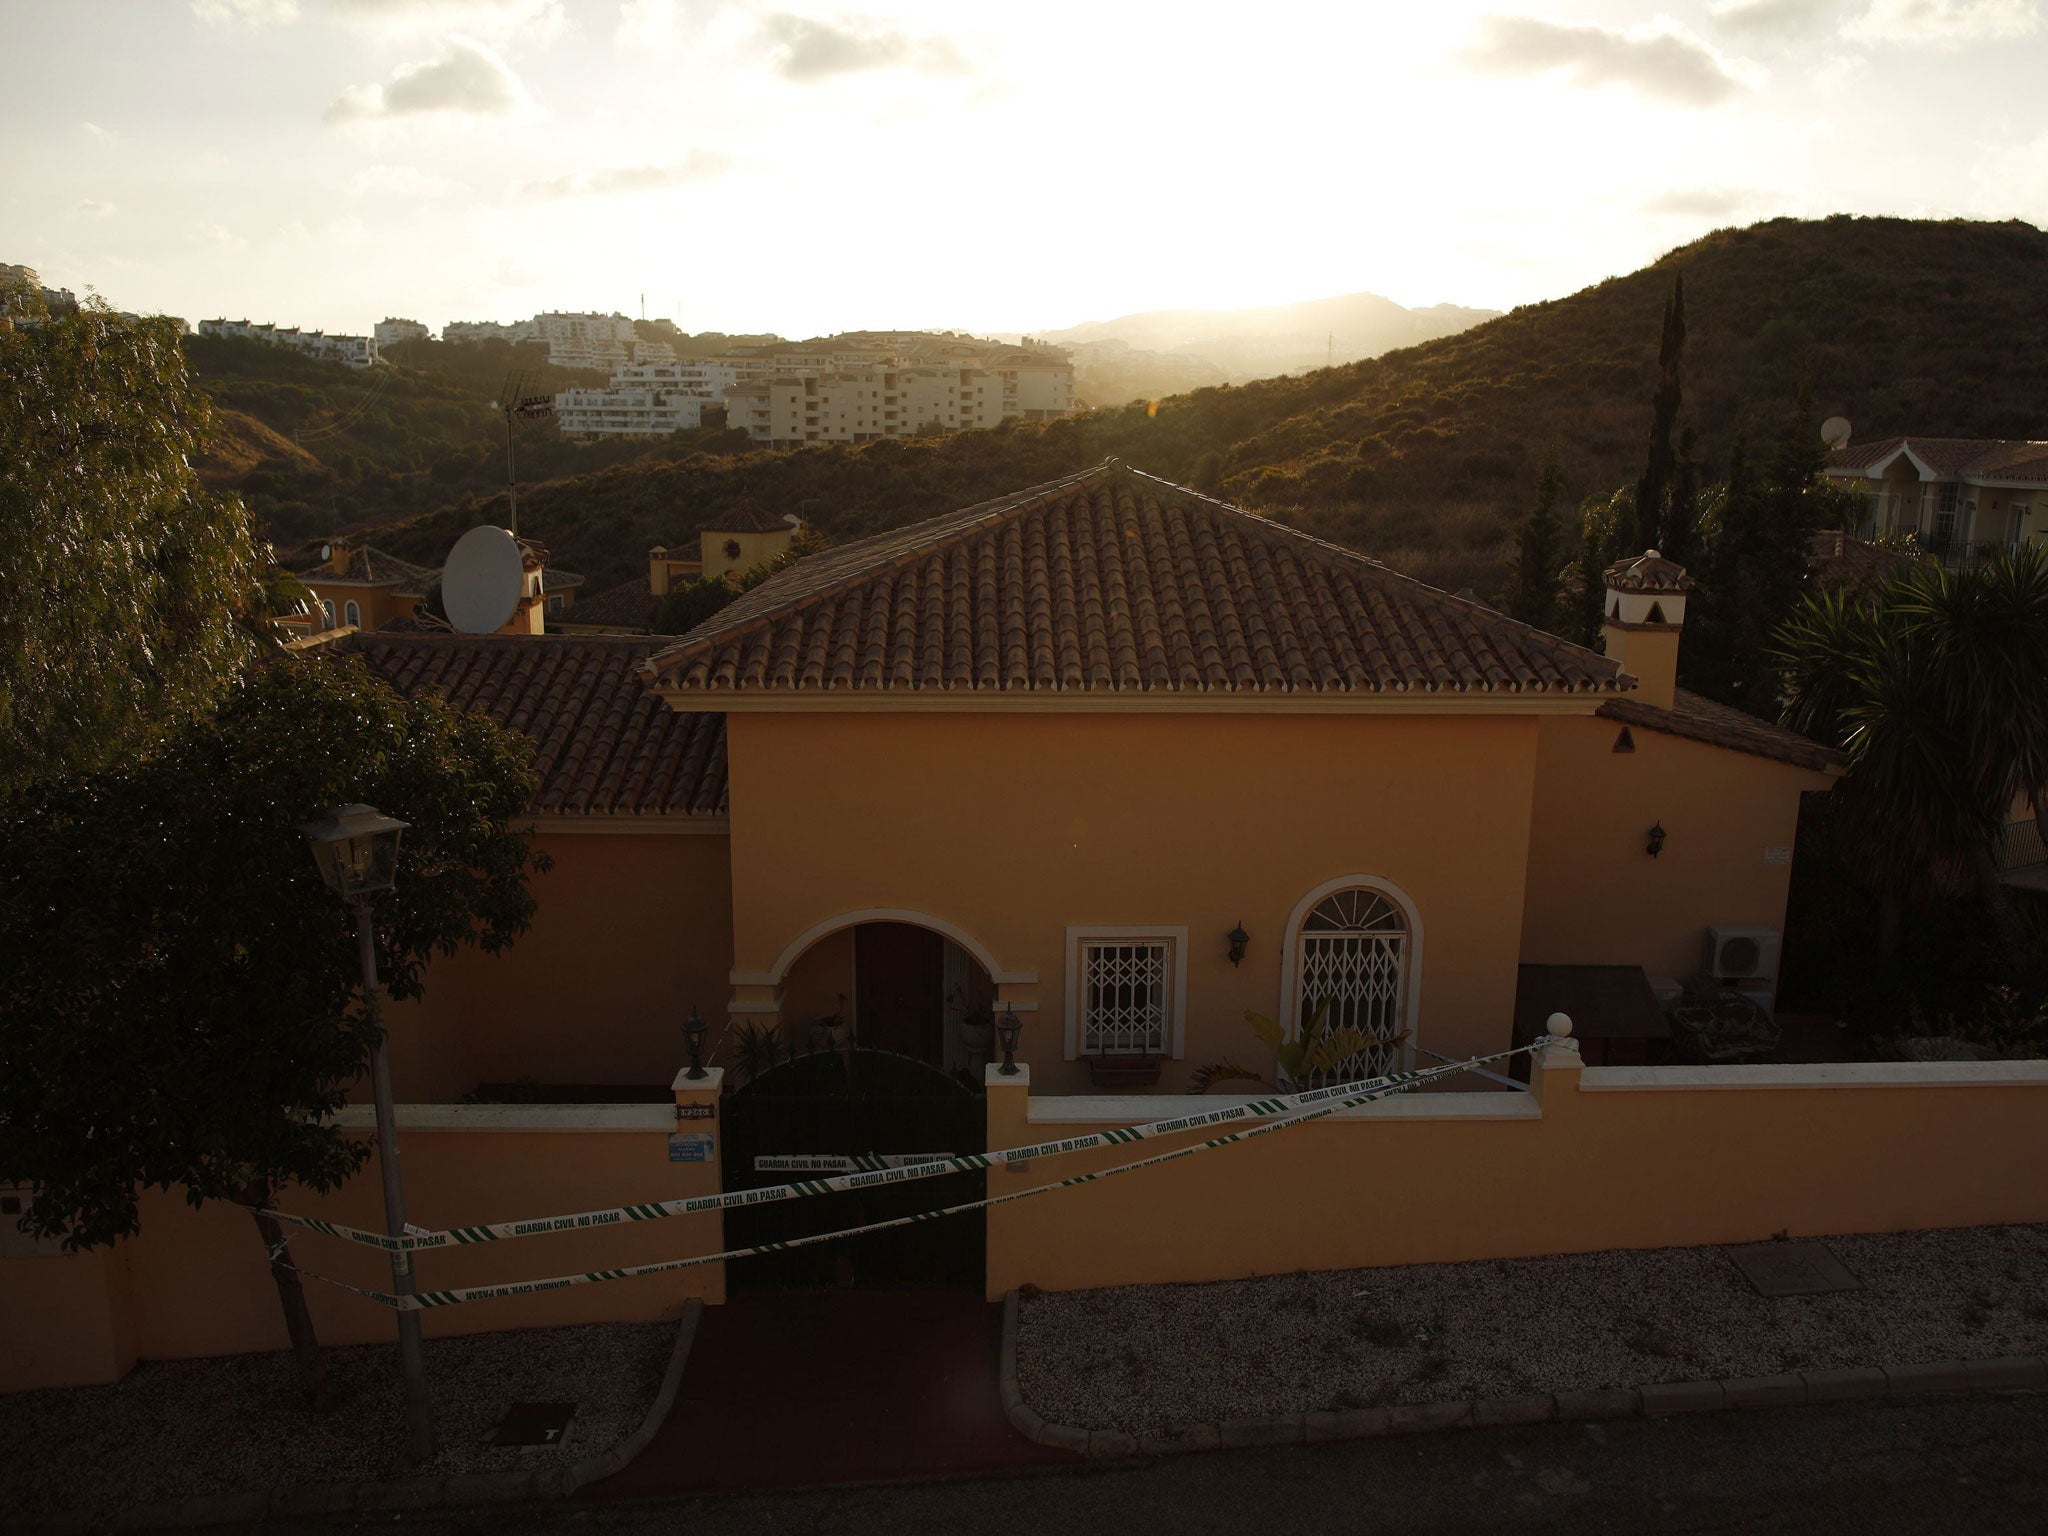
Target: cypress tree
x: 1650, y: 490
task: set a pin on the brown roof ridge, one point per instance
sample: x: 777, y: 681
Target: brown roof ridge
x: 1698, y: 718
x: 762, y: 607
x: 1381, y: 571
x: 455, y: 637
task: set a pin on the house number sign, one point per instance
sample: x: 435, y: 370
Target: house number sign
x: 696, y: 1111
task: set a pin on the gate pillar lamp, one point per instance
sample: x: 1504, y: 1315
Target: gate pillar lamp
x: 694, y: 1029
x: 1008, y: 1027
x: 1656, y: 839
x: 1238, y: 940
x: 356, y: 849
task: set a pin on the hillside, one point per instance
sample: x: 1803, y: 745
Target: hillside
x: 1426, y: 456
x: 316, y: 448
x: 1168, y: 351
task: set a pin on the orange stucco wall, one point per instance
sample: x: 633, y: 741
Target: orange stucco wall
x: 1607, y: 1163
x: 631, y: 928
x: 1011, y: 827
x: 376, y: 604
x: 195, y: 1282
x: 1596, y: 897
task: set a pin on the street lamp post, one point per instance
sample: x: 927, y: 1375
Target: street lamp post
x: 357, y: 851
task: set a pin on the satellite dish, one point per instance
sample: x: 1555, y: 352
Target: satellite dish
x: 326, y: 551
x: 482, y: 581
x: 1835, y: 431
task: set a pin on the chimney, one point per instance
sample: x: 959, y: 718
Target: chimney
x: 529, y: 614
x: 1645, y: 611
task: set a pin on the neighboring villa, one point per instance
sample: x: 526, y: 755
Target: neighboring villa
x: 356, y: 586
x: 725, y: 551
x: 1961, y: 498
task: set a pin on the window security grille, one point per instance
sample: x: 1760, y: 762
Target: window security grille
x: 1354, y: 952
x: 1124, y: 999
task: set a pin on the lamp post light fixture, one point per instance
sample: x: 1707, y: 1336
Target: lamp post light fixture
x: 694, y: 1029
x: 1008, y: 1027
x: 1656, y: 842
x: 1238, y: 940
x: 357, y: 851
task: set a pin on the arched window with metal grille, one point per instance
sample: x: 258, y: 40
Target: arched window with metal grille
x: 1353, y: 954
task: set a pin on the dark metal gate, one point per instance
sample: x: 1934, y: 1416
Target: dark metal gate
x: 847, y: 1104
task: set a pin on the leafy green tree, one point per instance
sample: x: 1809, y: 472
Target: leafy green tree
x: 179, y: 996
x: 687, y: 606
x: 1535, y: 592
x: 1931, y: 687
x: 1652, y: 489
x: 125, y: 574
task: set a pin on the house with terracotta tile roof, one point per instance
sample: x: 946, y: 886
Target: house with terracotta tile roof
x: 1961, y: 498
x: 1124, y: 762
x: 359, y: 586
x: 726, y: 549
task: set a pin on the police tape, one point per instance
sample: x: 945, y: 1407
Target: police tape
x: 799, y: 1189
x: 1352, y: 1096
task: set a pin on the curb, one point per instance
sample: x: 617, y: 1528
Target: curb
x: 386, y: 1495
x: 2009, y: 1373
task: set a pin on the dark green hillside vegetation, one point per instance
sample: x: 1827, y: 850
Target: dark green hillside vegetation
x: 316, y: 448
x: 1427, y: 457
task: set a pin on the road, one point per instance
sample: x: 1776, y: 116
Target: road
x: 1973, y: 1465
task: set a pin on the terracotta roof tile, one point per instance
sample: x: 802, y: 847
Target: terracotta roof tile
x: 1113, y: 582
x: 1701, y: 719
x: 629, y: 605
x: 603, y: 745
x: 1985, y: 458
x: 368, y: 566
x: 1647, y: 572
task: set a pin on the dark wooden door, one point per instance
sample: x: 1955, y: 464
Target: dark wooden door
x: 899, y: 981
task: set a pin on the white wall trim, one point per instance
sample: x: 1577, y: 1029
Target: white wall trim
x: 1829, y: 1075
x: 587, y: 1118
x: 1177, y: 998
x: 1411, y: 979
x: 1392, y: 701
x: 1143, y: 1109
x: 831, y: 925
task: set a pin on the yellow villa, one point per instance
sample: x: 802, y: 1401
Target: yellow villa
x: 1115, y: 764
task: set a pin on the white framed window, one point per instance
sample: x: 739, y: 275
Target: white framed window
x: 327, y: 613
x: 351, y: 614
x: 1355, y: 945
x: 1126, y: 990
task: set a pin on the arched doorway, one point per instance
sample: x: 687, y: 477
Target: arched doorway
x: 893, y: 982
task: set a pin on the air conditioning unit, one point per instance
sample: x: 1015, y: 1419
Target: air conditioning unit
x: 1742, y: 954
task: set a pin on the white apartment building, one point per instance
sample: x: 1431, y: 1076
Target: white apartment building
x: 586, y: 340
x: 878, y: 400
x: 355, y: 351
x: 489, y: 330
x: 389, y: 332
x: 645, y: 400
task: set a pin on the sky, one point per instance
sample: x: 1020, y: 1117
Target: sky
x: 802, y: 167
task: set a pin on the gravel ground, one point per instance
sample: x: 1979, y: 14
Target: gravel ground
x: 179, y: 1429
x: 1149, y: 1358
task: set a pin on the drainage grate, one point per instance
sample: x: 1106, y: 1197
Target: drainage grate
x: 534, y: 1424
x: 1792, y: 1269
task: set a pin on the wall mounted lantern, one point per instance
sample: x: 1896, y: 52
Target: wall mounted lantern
x: 356, y: 849
x: 1656, y: 841
x: 1238, y: 940
x: 1008, y: 1027
x: 694, y: 1029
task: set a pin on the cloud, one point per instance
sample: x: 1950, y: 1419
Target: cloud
x: 1773, y: 18
x: 468, y: 79
x: 92, y: 208
x: 539, y: 20
x: 1663, y: 62
x: 98, y: 134
x: 650, y: 24
x: 1704, y: 202
x: 404, y: 182
x: 807, y: 49
x: 697, y: 166
x: 254, y: 13
x: 1944, y: 23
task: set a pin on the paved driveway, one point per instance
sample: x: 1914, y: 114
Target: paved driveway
x: 1972, y: 1465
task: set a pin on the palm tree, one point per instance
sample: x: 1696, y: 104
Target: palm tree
x: 1935, y: 687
